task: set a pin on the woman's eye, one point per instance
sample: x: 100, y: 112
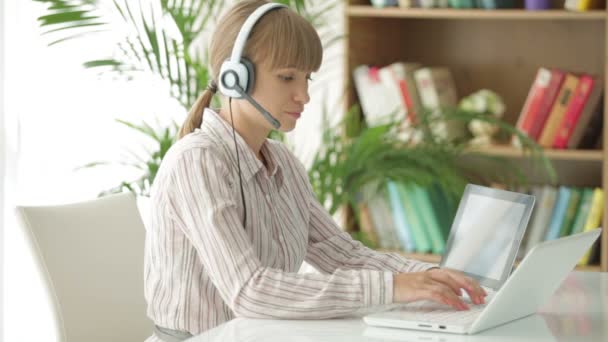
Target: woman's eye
x: 286, y: 78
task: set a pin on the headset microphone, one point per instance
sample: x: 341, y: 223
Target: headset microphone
x: 230, y: 81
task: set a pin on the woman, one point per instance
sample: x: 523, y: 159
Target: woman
x: 234, y: 215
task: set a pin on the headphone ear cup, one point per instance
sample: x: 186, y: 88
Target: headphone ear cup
x: 250, y: 73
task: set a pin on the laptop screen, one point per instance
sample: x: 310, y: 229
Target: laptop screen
x: 486, y: 233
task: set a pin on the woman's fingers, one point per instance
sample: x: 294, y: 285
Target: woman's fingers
x: 475, y: 291
x: 443, y: 294
x: 446, y: 279
x: 458, y: 280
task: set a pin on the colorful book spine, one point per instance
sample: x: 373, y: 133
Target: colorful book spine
x: 421, y: 196
x: 557, y: 112
x: 559, y: 212
x: 583, y: 211
x: 533, y: 102
x: 400, y: 218
x: 575, y: 109
x: 538, y: 122
x: 541, y: 219
x: 594, y: 219
x: 583, y: 5
x: 421, y: 240
x: 403, y: 76
x: 573, y: 204
x: 591, y: 109
x: 437, y: 91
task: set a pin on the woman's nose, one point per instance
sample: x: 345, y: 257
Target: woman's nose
x: 301, y: 95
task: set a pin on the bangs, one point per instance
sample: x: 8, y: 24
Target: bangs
x: 285, y: 39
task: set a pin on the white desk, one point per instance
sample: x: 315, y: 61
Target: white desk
x: 578, y: 311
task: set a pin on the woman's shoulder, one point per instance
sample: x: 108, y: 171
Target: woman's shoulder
x: 195, y: 145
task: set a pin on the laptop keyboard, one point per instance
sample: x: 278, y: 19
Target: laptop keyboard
x: 432, y: 312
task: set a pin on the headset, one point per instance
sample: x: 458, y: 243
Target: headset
x: 237, y: 74
x: 236, y: 79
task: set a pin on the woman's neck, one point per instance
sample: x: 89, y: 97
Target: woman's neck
x: 253, y: 134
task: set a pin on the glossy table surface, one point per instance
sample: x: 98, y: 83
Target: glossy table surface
x: 578, y: 311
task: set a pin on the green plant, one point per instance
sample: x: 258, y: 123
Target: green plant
x: 353, y: 156
x: 163, y: 138
x: 157, y: 38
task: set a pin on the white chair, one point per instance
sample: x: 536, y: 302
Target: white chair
x: 91, y: 256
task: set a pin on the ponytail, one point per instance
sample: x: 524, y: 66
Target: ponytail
x: 195, y: 116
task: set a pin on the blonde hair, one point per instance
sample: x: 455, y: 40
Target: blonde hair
x: 281, y: 38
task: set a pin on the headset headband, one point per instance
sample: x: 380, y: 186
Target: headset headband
x: 241, y: 39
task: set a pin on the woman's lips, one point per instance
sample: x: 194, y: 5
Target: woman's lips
x: 295, y: 114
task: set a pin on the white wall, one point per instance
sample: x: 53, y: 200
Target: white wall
x: 2, y: 166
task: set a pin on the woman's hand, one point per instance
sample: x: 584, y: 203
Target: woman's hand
x: 439, y: 285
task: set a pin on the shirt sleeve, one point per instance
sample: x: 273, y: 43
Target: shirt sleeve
x: 331, y: 248
x: 205, y: 203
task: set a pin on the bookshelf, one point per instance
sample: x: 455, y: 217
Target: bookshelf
x: 495, y: 49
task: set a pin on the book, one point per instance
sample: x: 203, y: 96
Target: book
x: 392, y: 93
x: 540, y: 222
x: 544, y: 109
x: 400, y: 218
x: 582, y: 211
x: 421, y: 238
x: 573, y: 204
x: 558, y: 111
x: 594, y: 219
x: 533, y: 102
x: 437, y: 91
x: 582, y: 5
x: 403, y: 76
x: 587, y: 115
x: 559, y: 212
x: 378, y: 105
x: 592, y: 131
x: 588, y: 91
x: 381, y: 217
x: 421, y: 196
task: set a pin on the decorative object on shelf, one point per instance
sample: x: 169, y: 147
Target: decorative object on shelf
x: 484, y: 102
x: 495, y: 4
x: 538, y: 5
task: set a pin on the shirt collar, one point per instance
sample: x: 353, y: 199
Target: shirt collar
x: 221, y: 131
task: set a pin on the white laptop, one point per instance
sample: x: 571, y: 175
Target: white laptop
x: 539, y: 274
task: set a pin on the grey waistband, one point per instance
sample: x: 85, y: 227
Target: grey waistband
x: 169, y: 335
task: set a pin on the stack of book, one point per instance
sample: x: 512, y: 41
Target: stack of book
x: 408, y: 217
x: 414, y: 219
x: 401, y: 91
x: 563, y: 110
x: 563, y: 211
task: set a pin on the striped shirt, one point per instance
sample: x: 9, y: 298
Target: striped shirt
x: 202, y: 267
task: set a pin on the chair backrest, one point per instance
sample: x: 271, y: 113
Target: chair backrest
x: 91, y: 254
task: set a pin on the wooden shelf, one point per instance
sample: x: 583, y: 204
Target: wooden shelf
x: 499, y: 50
x: 435, y: 259
x: 569, y: 155
x: 481, y: 14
